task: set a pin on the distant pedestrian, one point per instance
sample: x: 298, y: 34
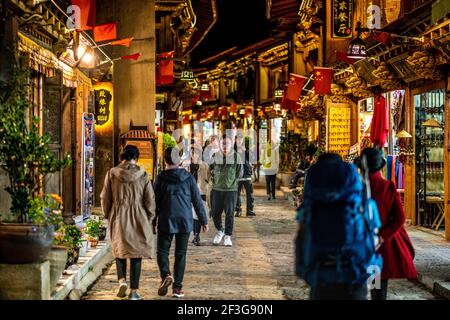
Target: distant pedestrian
x: 270, y: 162
x: 199, y: 169
x: 176, y: 193
x: 128, y: 203
x: 396, y: 248
x: 245, y: 182
x: 336, y: 241
x: 224, y: 171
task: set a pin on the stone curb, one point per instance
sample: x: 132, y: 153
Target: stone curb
x: 437, y: 287
x: 73, y: 286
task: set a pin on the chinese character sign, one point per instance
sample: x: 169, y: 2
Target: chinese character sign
x: 103, y: 104
x: 342, y: 18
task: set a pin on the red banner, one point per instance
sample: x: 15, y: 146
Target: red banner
x: 123, y: 42
x: 323, y: 77
x: 87, y: 14
x: 164, y: 70
x: 131, y: 57
x: 104, y: 32
x: 294, y: 91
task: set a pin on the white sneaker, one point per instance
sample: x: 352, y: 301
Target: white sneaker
x: 218, y: 237
x: 227, y: 242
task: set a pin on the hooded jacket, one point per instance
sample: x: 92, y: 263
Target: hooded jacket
x: 128, y: 202
x: 176, y: 192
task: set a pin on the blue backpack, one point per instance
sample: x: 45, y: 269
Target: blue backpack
x: 338, y: 226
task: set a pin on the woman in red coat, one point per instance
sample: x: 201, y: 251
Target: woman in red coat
x: 396, y: 247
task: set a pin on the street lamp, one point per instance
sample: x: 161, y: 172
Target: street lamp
x: 357, y: 47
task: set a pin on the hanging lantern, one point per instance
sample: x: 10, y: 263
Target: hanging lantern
x: 206, y: 113
x: 224, y: 112
x: 216, y: 113
x: 199, y: 116
x: 357, y: 47
x: 187, y: 75
x: 186, y: 119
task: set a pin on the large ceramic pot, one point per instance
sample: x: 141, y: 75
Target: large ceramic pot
x: 58, y: 259
x: 285, y: 178
x: 24, y: 243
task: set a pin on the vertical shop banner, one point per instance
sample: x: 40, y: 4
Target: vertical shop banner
x: 104, y: 134
x: 87, y: 164
x: 342, y: 17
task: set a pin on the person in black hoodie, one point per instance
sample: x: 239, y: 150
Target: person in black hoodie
x: 176, y: 191
x: 242, y: 147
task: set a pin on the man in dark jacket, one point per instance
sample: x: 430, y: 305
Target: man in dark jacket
x: 176, y: 192
x: 243, y: 149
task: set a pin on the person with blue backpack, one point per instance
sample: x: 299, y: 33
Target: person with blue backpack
x: 337, y: 237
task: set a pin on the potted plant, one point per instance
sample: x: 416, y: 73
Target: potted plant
x: 26, y: 234
x: 58, y: 253
x: 70, y: 236
x: 94, y: 231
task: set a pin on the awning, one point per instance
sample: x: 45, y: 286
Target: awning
x: 44, y: 61
x: 206, y: 12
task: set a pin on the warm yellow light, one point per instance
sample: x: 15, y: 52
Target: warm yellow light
x: 80, y: 51
x: 87, y: 58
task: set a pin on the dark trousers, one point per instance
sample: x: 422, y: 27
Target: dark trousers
x: 270, y: 185
x: 181, y: 244
x: 380, y: 294
x: 339, y: 292
x: 248, y: 185
x: 197, y: 227
x: 223, y: 201
x: 135, y: 270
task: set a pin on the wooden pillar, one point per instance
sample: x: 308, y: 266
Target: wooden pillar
x: 134, y: 81
x: 446, y: 161
x: 410, y: 167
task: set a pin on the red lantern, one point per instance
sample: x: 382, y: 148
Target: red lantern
x: 216, y: 112
x: 233, y: 107
x: 199, y: 116
x: 206, y: 113
x: 186, y: 119
x: 224, y: 112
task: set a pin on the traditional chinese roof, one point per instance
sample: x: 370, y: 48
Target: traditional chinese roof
x: 206, y: 12
x: 137, y: 135
x: 283, y: 9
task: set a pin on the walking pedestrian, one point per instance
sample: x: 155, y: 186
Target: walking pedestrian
x: 224, y: 171
x: 199, y: 169
x: 176, y: 192
x: 128, y: 202
x: 335, y: 245
x: 243, y: 149
x: 270, y: 161
x: 396, y: 248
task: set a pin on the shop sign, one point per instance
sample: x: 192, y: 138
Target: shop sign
x: 342, y: 18
x: 103, y: 104
x: 87, y: 164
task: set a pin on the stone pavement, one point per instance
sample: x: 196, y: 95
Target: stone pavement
x: 260, y: 265
x: 432, y: 259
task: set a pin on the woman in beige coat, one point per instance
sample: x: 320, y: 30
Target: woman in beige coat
x: 128, y: 202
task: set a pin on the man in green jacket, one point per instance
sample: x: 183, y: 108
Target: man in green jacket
x: 225, y: 170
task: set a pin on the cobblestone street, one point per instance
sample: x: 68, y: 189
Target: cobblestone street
x: 258, y: 266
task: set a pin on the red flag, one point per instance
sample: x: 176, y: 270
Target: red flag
x: 123, y: 42
x: 322, y: 80
x: 131, y: 57
x: 342, y: 56
x: 164, y: 72
x: 87, y: 14
x: 104, y: 32
x: 382, y: 37
x: 294, y: 91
